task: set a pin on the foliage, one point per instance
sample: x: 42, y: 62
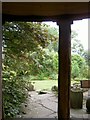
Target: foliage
x: 13, y: 92
x: 76, y: 46
x: 30, y: 51
x: 78, y: 66
x: 75, y: 70
x: 24, y: 51
x: 49, y: 64
x: 79, y: 58
x: 87, y: 57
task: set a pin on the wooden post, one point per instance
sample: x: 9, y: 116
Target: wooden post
x: 64, y: 69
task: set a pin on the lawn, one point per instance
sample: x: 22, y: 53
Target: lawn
x: 44, y: 84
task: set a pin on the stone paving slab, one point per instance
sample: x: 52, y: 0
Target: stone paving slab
x: 41, y: 106
x: 46, y: 105
x: 38, y: 112
x: 50, y: 105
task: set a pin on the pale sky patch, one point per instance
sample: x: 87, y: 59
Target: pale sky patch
x: 81, y: 27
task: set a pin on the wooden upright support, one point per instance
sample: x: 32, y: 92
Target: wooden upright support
x: 64, y: 69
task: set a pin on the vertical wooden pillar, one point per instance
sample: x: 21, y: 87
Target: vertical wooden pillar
x: 64, y: 69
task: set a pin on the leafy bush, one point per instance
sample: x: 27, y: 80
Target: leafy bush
x: 79, y: 67
x: 13, y: 93
x: 53, y: 76
x: 25, y: 53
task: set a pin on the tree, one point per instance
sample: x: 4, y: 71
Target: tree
x: 78, y: 66
x: 75, y: 70
x: 87, y: 59
x: 20, y: 39
x: 23, y: 44
x: 76, y: 46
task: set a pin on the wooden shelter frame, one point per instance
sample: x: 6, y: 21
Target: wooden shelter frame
x: 64, y: 76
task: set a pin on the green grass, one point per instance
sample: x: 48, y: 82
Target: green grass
x: 47, y: 84
x: 44, y: 84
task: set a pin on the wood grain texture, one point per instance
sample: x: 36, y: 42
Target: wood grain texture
x: 44, y: 8
x: 64, y: 69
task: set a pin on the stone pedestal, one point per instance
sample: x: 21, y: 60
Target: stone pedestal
x: 88, y: 104
x: 76, y: 99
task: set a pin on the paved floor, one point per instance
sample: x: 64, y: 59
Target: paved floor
x: 46, y: 106
x: 41, y: 106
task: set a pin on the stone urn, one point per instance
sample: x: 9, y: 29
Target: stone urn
x: 76, y: 98
x: 88, y: 104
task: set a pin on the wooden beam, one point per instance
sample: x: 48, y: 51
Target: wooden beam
x: 35, y: 18
x: 44, y: 8
x: 64, y: 69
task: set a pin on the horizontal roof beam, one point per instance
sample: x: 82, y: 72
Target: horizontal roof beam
x: 32, y: 18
